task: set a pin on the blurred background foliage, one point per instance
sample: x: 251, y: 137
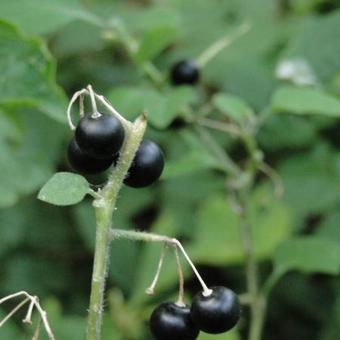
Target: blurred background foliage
x: 287, y: 68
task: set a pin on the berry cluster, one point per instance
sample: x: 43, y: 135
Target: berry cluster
x: 215, y: 313
x: 96, y: 145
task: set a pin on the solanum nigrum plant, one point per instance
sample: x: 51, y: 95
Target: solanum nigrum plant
x: 105, y: 141
x: 139, y: 163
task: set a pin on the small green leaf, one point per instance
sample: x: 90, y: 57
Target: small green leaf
x: 323, y: 32
x: 218, y: 228
x: 175, y: 102
x: 305, y: 100
x: 25, y: 61
x: 155, y: 41
x: 192, y: 162
x: 64, y: 188
x: 43, y: 16
x: 161, y: 108
x: 311, y: 181
x: 308, y: 255
x: 233, y: 107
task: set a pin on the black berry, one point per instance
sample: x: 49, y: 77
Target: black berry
x: 84, y: 163
x: 216, y: 313
x: 172, y: 322
x: 185, y: 72
x: 100, y: 137
x: 147, y: 165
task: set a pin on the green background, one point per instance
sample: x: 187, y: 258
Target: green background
x: 51, y: 48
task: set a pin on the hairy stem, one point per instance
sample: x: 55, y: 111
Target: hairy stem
x: 104, y: 208
x: 258, y: 312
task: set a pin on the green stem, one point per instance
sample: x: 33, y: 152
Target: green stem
x: 260, y: 305
x: 227, y: 163
x: 257, y: 299
x: 212, y: 51
x: 104, y: 208
x: 251, y: 270
x: 258, y: 311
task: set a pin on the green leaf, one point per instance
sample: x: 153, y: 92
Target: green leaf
x: 132, y: 101
x: 64, y: 188
x: 192, y: 162
x: 218, y: 229
x: 161, y: 108
x: 329, y: 227
x: 231, y: 335
x: 287, y: 131
x: 64, y: 326
x: 10, y: 329
x: 155, y: 41
x: 29, y: 148
x: 305, y: 100
x: 175, y: 102
x: 233, y: 107
x: 25, y: 271
x: 308, y: 255
x: 311, y: 181
x: 26, y: 64
x: 322, y: 32
x: 43, y: 16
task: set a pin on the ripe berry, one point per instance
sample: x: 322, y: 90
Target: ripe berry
x: 216, y: 313
x: 84, y: 163
x: 147, y: 166
x: 185, y: 72
x: 100, y: 137
x: 172, y: 322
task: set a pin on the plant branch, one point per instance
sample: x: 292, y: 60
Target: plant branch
x: 228, y: 164
x: 150, y: 237
x: 221, y: 44
x: 216, y: 125
x: 104, y: 208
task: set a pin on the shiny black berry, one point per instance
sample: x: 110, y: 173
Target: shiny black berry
x: 172, y: 322
x: 100, y: 137
x: 84, y: 163
x: 216, y: 313
x: 147, y: 165
x: 185, y: 72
